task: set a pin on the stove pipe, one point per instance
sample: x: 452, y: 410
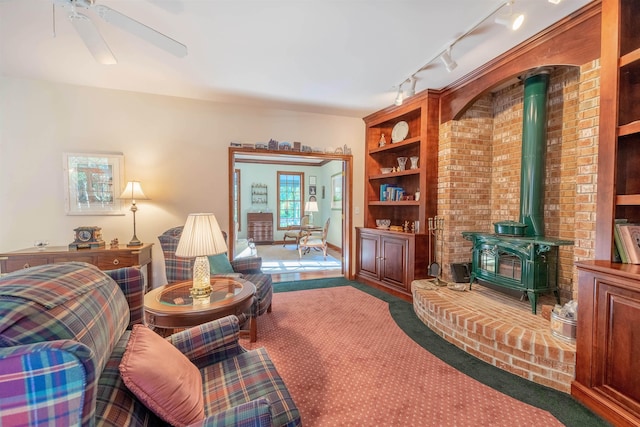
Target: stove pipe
x: 534, y: 147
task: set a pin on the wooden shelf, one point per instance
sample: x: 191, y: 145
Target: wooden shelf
x: 629, y: 58
x: 396, y: 146
x: 628, y: 200
x: 629, y: 128
x: 393, y: 174
x: 396, y: 203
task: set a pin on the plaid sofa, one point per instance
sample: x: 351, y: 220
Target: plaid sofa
x: 64, y: 329
x: 179, y: 269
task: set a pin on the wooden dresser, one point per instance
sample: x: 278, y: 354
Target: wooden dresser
x: 104, y: 259
x: 260, y: 227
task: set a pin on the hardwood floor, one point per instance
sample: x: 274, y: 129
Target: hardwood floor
x: 290, y: 277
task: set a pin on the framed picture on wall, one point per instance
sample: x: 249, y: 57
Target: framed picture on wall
x: 336, y: 192
x: 92, y: 183
x: 312, y: 190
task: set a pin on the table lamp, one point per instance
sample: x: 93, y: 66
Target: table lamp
x: 200, y: 238
x: 311, y: 206
x: 133, y: 191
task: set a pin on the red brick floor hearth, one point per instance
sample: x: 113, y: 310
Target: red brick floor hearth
x: 499, y: 329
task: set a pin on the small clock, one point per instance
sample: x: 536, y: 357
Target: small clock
x: 87, y: 238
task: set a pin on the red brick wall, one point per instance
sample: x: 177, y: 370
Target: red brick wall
x: 479, y: 167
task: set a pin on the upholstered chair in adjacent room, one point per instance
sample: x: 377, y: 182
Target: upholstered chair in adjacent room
x: 180, y: 269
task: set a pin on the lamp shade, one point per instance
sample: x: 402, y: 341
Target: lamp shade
x: 133, y: 191
x: 201, y: 236
x: 311, y: 206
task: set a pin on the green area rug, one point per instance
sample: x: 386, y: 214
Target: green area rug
x: 563, y: 406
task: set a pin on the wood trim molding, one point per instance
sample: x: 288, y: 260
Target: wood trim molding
x: 574, y: 40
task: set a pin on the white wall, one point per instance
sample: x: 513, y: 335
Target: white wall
x: 176, y: 147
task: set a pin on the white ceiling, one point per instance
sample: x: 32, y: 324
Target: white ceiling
x: 331, y: 56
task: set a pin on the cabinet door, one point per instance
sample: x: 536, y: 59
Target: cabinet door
x: 369, y: 255
x: 394, y: 253
x: 617, y: 344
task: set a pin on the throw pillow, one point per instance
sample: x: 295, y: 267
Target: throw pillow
x: 219, y: 264
x: 162, y: 378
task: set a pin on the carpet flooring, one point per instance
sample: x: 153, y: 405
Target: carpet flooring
x: 348, y: 355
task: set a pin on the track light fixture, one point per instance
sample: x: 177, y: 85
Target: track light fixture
x: 513, y: 20
x: 399, y: 98
x: 412, y: 86
x: 448, y: 61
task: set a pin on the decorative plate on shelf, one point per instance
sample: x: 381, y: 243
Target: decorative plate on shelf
x: 399, y: 132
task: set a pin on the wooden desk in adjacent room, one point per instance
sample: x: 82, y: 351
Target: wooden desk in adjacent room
x: 104, y: 259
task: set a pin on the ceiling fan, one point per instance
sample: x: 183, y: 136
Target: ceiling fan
x: 93, y: 39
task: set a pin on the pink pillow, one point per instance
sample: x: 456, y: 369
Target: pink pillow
x: 162, y: 378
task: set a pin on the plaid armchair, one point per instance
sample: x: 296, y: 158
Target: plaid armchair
x: 180, y: 269
x: 63, y: 332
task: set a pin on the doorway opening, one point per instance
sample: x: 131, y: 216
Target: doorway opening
x: 265, y: 206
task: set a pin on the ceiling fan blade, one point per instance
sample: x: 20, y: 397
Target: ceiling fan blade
x: 92, y: 38
x: 171, y: 6
x: 139, y: 29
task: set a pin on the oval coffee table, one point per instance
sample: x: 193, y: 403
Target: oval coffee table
x: 170, y: 307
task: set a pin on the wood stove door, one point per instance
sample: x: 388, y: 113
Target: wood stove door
x: 498, y: 264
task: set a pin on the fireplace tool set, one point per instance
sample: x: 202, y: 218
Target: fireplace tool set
x: 436, y: 231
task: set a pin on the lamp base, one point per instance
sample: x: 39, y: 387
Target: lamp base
x: 134, y: 242
x: 201, y: 296
x: 201, y: 290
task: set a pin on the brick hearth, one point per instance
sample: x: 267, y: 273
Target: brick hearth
x: 499, y: 329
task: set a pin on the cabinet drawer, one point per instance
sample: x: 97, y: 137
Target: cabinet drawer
x: 88, y: 258
x: 18, y: 263
x: 116, y: 260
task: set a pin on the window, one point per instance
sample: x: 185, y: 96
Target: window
x: 290, y: 192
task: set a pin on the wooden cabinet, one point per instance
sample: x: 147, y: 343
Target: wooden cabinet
x: 260, y: 227
x: 607, y: 344
x: 104, y: 259
x: 619, y: 145
x: 390, y: 260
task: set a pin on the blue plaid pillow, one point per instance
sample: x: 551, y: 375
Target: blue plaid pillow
x: 219, y: 264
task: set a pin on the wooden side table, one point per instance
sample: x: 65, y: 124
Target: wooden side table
x: 170, y: 307
x: 104, y: 259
